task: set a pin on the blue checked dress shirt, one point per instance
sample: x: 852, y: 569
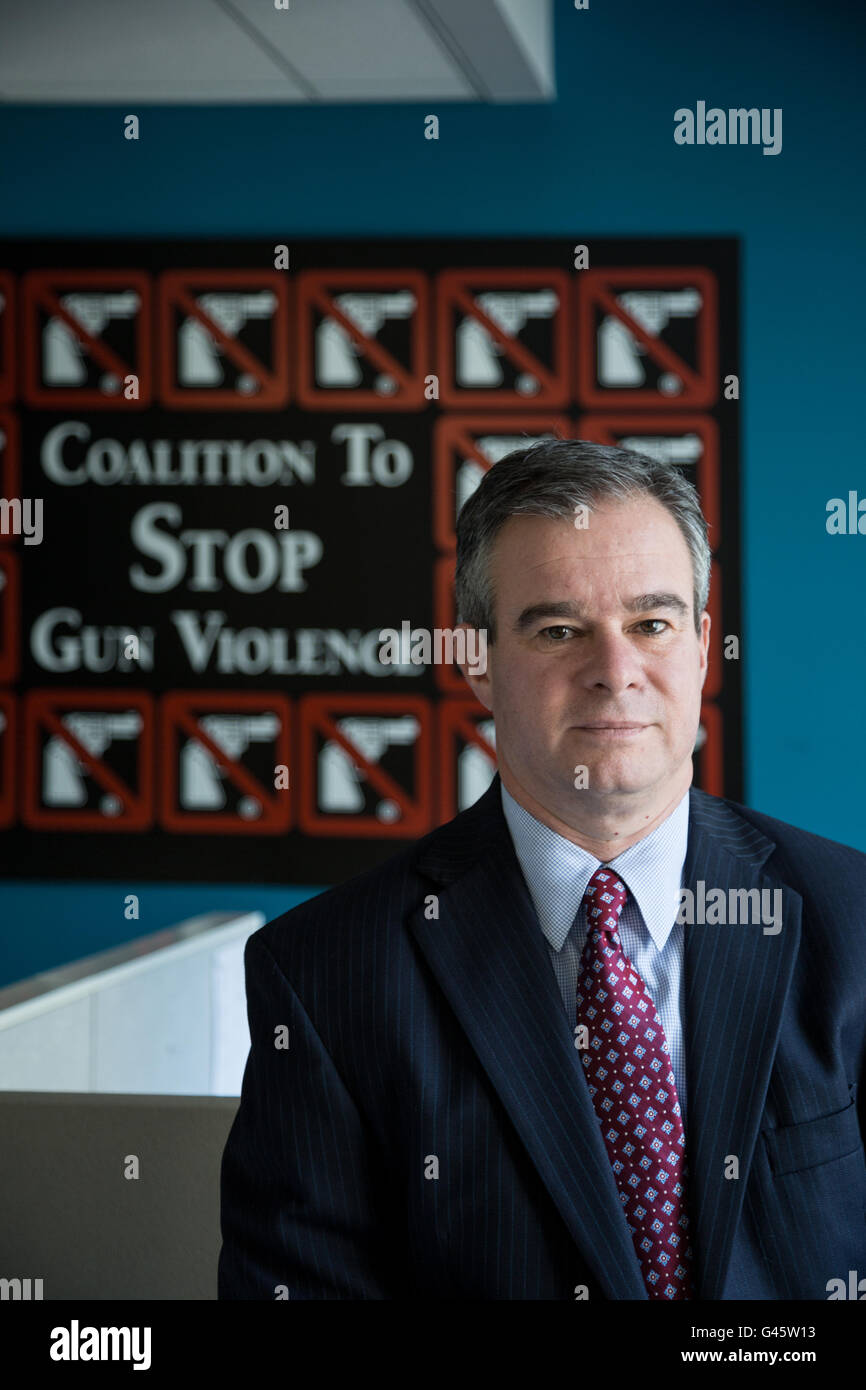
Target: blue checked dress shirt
x: 557, y: 872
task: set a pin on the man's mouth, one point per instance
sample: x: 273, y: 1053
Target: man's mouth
x: 612, y: 729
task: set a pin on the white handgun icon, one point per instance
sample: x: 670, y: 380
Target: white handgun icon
x: 478, y: 354
x: 339, y: 778
x: 668, y: 448
x: 200, y: 356
x: 201, y: 777
x: 63, y: 356
x: 336, y: 353
x: 63, y: 774
x: 619, y: 352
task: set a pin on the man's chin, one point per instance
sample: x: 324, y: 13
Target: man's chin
x: 612, y: 787
x: 611, y: 780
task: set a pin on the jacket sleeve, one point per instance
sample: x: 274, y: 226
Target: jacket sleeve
x: 302, y: 1185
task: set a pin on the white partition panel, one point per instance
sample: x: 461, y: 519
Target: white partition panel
x: 163, y: 1015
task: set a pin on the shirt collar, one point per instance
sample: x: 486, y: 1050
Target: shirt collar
x: 557, y: 871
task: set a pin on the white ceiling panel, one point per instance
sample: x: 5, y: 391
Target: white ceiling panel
x: 119, y: 50
x: 376, y: 50
x: 316, y: 51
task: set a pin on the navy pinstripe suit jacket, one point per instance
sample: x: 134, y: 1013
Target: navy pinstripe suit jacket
x: 428, y: 1132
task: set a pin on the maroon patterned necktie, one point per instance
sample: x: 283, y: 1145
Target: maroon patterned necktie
x: 628, y: 1069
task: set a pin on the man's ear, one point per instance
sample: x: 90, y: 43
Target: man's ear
x: 706, y: 623
x: 475, y: 670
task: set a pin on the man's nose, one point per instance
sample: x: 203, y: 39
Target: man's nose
x: 611, y: 662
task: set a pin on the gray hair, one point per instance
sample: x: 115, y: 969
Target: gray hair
x: 552, y: 477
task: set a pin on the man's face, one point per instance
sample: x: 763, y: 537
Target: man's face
x: 595, y: 627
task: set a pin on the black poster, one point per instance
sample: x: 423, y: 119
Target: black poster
x: 229, y: 465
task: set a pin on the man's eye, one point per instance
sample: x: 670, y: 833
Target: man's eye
x: 558, y: 634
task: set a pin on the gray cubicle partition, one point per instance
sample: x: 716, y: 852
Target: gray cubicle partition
x: 119, y: 1079
x: 111, y: 1197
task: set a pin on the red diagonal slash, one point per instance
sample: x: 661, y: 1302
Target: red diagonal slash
x: 452, y: 435
x: 375, y: 774
x: 469, y: 449
x: 371, y: 347
x: 319, y: 716
x: 97, y: 348
x: 455, y: 721
x: 700, y: 388
x: 503, y: 425
x: 516, y: 350
x: 98, y: 771
x: 232, y: 347
x: 471, y: 733
x: 659, y: 350
x: 240, y: 775
x: 613, y: 428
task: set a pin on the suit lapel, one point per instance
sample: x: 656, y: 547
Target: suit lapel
x: 491, y: 959
x: 736, y: 982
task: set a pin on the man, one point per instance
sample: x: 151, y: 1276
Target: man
x: 525, y: 1060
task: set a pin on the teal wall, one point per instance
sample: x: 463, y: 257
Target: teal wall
x: 599, y: 160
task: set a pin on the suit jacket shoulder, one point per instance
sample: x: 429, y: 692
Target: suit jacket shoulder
x: 828, y: 875
x: 398, y: 884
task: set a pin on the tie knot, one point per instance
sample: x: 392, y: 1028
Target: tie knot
x: 604, y: 898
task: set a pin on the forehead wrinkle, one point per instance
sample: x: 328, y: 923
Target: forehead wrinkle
x: 601, y: 555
